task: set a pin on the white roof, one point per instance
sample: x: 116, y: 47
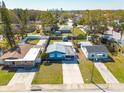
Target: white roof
x: 83, y: 44
x: 64, y: 43
x: 32, y: 53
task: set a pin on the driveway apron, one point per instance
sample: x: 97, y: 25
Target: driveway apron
x: 22, y: 77
x: 71, y: 73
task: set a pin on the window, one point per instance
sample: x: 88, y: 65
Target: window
x: 59, y: 55
x: 103, y: 55
x: 52, y: 55
x: 92, y: 55
x: 13, y: 63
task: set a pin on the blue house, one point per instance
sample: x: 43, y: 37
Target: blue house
x: 60, y: 52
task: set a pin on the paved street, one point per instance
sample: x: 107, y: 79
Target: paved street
x: 22, y: 76
x: 71, y: 73
x: 106, y: 74
x: 65, y: 87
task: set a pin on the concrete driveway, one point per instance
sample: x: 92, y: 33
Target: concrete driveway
x: 106, y: 74
x: 71, y: 73
x: 23, y: 77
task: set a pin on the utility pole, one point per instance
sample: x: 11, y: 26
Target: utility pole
x: 92, y: 73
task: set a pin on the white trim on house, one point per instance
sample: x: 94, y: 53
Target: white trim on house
x: 64, y: 43
x: 31, y: 54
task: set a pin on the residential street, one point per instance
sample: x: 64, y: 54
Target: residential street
x: 106, y: 74
x: 64, y: 87
x: 23, y: 77
x: 71, y: 73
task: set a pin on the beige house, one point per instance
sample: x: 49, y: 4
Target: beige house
x: 11, y: 58
x: 25, y: 55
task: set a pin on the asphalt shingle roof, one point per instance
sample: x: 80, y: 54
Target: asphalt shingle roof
x: 65, y: 28
x: 56, y: 47
x: 97, y: 49
x: 68, y: 50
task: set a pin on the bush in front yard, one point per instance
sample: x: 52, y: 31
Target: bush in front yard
x: 44, y: 56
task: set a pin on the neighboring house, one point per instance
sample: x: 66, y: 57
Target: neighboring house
x: 70, y: 22
x: 1, y: 52
x: 60, y: 52
x: 106, y: 37
x: 25, y: 55
x: 95, y: 52
x: 65, y: 29
x: 64, y: 43
x: 84, y: 44
x: 58, y: 33
x: 47, y: 29
x: 65, y: 38
x: 11, y: 58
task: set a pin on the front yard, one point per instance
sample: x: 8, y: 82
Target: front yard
x: 5, y: 76
x: 49, y: 73
x: 117, y: 67
x: 86, y: 67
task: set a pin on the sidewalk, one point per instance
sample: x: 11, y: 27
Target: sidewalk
x: 66, y: 87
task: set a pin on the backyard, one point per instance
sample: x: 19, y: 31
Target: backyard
x: 49, y: 73
x: 117, y: 67
x: 76, y: 31
x: 5, y: 76
x: 86, y: 68
x: 52, y: 41
x: 32, y: 41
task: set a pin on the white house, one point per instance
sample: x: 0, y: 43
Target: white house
x: 65, y: 29
x: 96, y: 52
x: 25, y: 55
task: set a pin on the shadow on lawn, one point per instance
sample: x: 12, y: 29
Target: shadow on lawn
x: 8, y: 69
x: 48, y: 63
x: 108, y: 60
x: 98, y: 86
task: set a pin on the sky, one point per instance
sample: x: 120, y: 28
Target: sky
x: 65, y: 4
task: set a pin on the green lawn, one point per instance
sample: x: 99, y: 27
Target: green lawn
x: 52, y: 41
x: 32, y: 41
x: 81, y: 40
x: 117, y: 67
x: 86, y: 68
x: 49, y: 73
x: 5, y: 76
x: 76, y: 31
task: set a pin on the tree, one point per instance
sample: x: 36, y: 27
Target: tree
x: 44, y: 56
x: 6, y: 22
x: 48, y: 20
x: 23, y: 19
x: 122, y: 31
